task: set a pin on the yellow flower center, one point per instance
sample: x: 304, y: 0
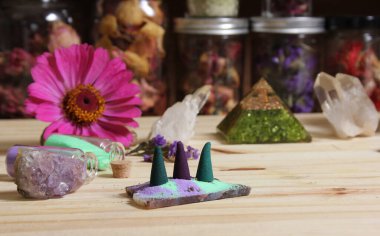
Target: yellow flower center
x: 83, y: 105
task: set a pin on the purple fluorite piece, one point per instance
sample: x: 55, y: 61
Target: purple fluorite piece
x: 44, y: 175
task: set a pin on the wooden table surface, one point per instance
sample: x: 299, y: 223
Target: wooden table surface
x: 327, y: 187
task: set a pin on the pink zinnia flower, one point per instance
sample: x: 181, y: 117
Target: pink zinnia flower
x: 83, y: 92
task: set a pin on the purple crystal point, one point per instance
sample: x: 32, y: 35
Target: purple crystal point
x: 181, y: 168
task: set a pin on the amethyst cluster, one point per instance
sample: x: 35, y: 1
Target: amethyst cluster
x: 44, y: 175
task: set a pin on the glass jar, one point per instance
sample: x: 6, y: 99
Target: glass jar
x: 353, y: 47
x: 286, y: 52
x: 28, y: 28
x: 134, y: 30
x: 213, y: 8
x: 211, y: 52
x: 286, y: 8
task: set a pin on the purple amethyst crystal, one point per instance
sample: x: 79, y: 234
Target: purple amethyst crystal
x: 44, y: 175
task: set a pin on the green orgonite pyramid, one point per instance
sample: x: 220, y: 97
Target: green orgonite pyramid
x: 261, y: 117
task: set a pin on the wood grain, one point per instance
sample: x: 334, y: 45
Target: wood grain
x: 327, y: 187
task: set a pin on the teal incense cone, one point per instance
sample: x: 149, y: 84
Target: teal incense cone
x: 181, y: 167
x: 158, y: 174
x: 204, y: 172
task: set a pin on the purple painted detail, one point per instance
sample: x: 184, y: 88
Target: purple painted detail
x: 11, y: 159
x: 174, y: 188
x: 181, y: 167
x: 156, y: 191
x: 186, y: 187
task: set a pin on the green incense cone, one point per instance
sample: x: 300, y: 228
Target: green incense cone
x: 158, y: 174
x: 204, y: 172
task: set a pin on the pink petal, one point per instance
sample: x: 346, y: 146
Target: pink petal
x: 86, y: 131
x: 113, y: 132
x: 44, y: 58
x: 44, y: 74
x: 99, y: 63
x: 73, y: 63
x: 132, y: 101
x: 42, y: 92
x: 48, y: 112
x: 31, y: 105
x: 113, y: 68
x: 127, y: 112
x: 120, y: 121
x: 124, y: 90
x: 67, y: 128
x: 53, y: 128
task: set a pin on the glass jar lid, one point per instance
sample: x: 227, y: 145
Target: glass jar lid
x: 289, y: 25
x: 212, y: 26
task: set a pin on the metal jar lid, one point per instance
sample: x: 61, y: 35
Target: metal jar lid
x: 289, y: 25
x: 212, y: 26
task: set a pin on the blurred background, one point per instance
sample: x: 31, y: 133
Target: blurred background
x: 175, y: 47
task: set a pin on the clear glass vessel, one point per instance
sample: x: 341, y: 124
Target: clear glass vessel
x: 353, y: 47
x: 286, y: 8
x: 84, y: 159
x: 29, y: 28
x: 116, y: 150
x: 105, y: 150
x: 134, y: 30
x: 287, y: 52
x: 211, y: 52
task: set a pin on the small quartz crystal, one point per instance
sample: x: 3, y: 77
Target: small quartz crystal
x: 44, y: 175
x: 178, y: 121
x: 346, y: 105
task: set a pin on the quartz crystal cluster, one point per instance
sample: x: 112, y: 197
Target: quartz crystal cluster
x: 346, y: 105
x: 178, y: 121
x: 43, y: 175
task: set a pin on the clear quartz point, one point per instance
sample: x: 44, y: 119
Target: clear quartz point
x: 178, y: 121
x: 346, y: 105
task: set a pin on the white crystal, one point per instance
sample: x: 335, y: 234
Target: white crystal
x: 178, y: 121
x: 346, y: 105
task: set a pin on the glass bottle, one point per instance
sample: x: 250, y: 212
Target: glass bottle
x: 287, y: 52
x: 134, y: 30
x: 286, y: 8
x: 48, y: 172
x: 104, y: 149
x: 353, y: 47
x: 211, y: 52
x: 85, y: 159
